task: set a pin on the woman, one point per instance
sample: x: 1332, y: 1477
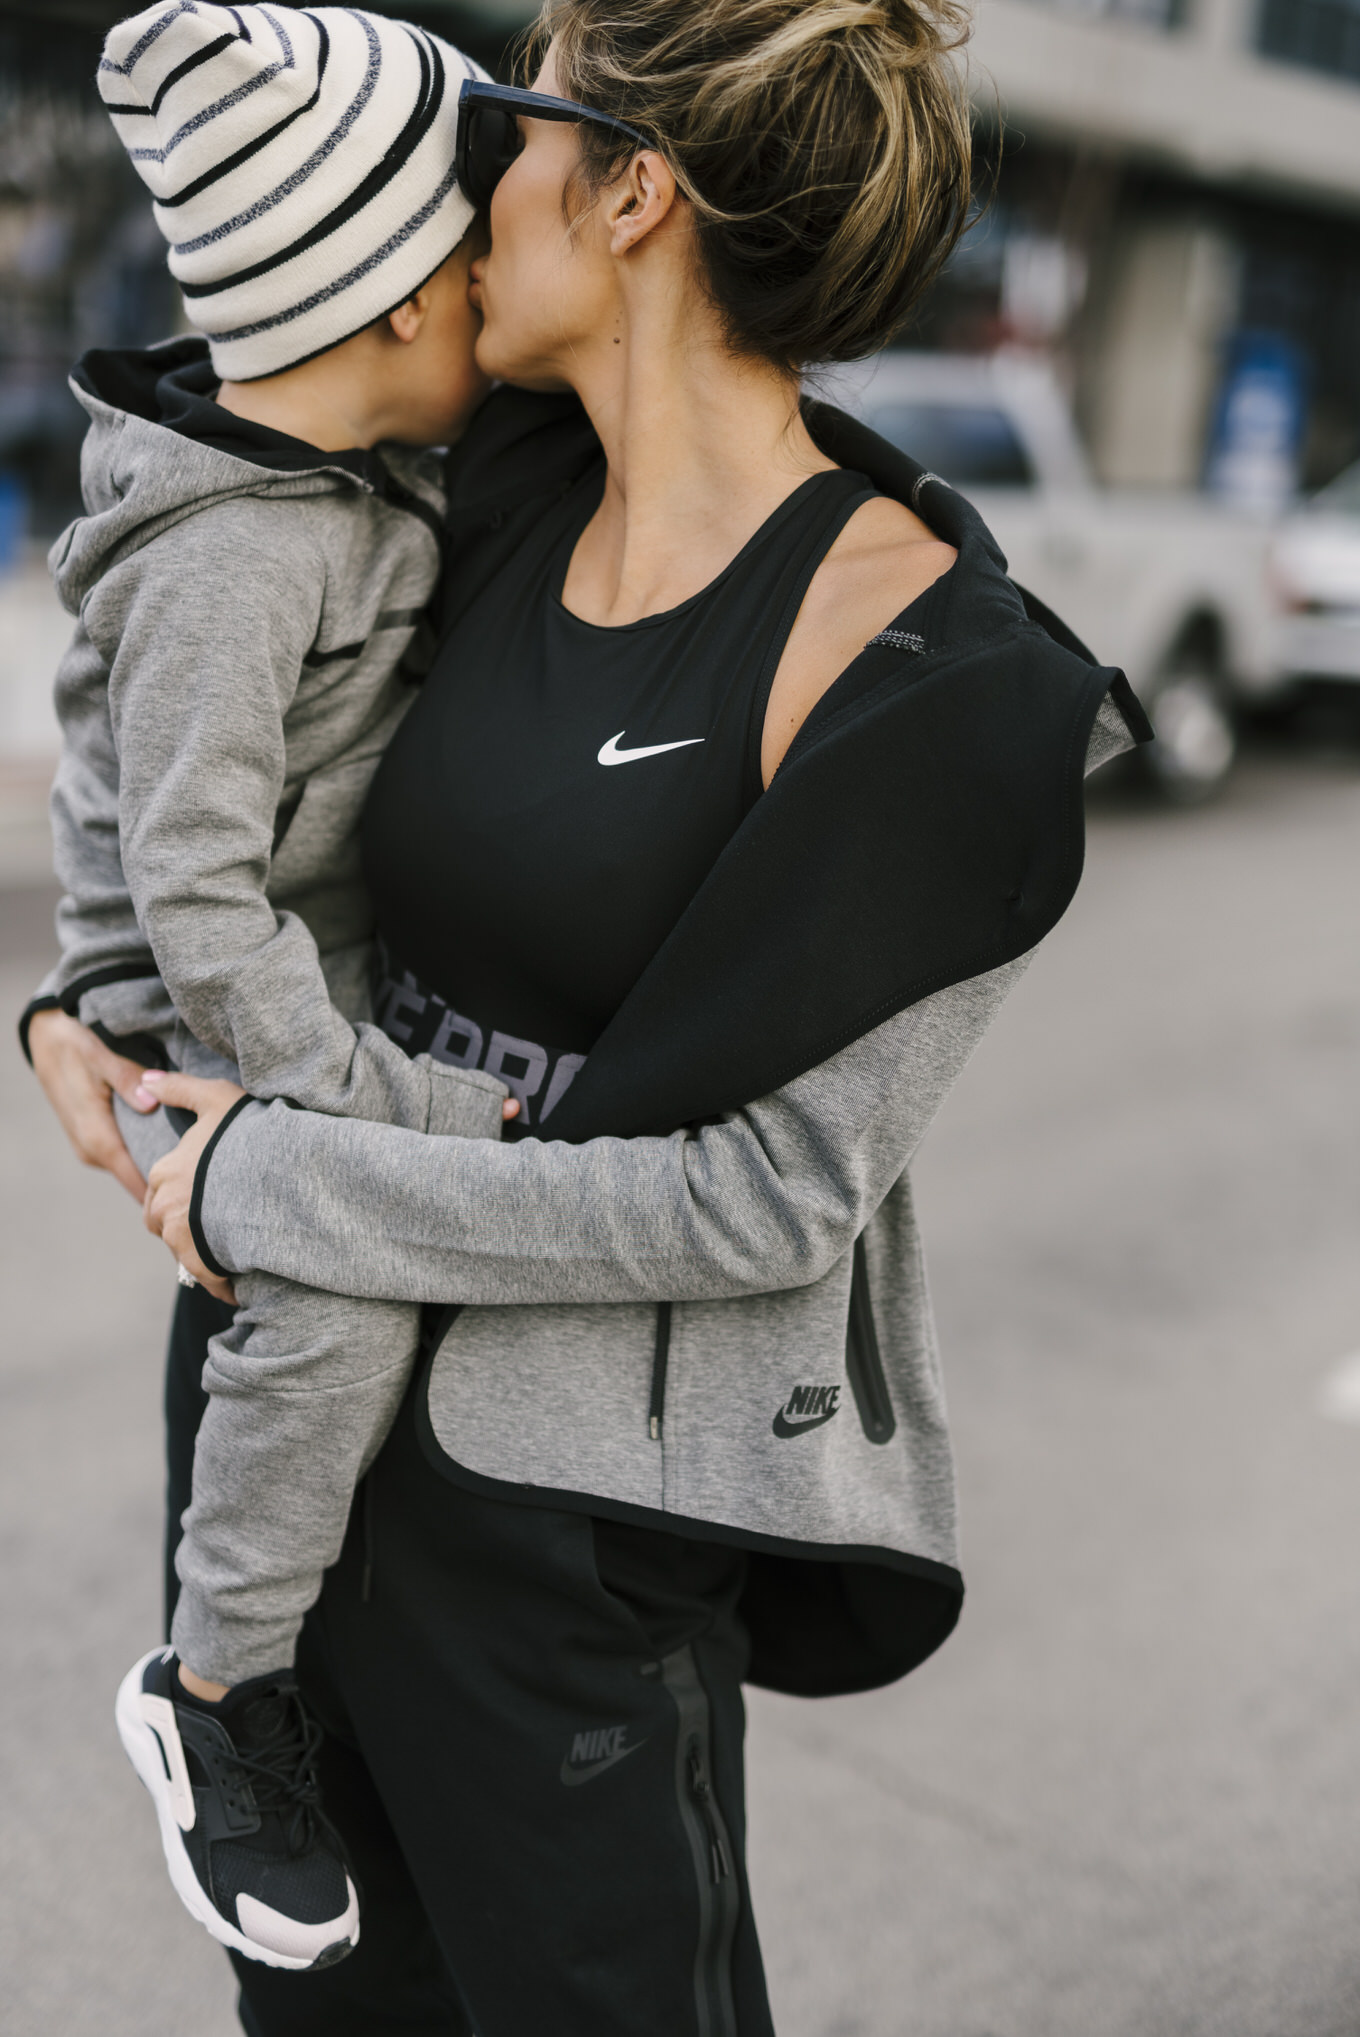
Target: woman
x: 740, y: 790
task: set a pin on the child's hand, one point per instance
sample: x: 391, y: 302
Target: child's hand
x: 170, y: 1188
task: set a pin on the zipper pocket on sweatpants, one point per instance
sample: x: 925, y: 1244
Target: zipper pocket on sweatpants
x: 863, y: 1361
x: 710, y: 1847
x: 701, y: 1792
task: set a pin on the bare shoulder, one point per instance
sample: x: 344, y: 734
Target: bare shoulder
x: 883, y: 560
x: 885, y: 555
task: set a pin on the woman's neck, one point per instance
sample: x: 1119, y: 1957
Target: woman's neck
x: 701, y: 448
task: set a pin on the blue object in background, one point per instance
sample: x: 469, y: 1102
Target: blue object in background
x: 13, y: 519
x: 1257, y: 443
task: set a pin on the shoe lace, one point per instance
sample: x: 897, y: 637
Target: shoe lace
x: 280, y: 1767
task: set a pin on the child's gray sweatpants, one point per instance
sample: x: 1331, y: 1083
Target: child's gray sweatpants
x: 303, y: 1389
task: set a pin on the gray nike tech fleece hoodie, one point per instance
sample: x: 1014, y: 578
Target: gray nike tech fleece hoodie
x: 804, y: 1409
x: 233, y: 680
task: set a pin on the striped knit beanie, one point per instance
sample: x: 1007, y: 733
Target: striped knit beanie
x: 301, y: 164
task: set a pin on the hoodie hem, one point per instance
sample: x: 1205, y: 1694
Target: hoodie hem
x: 870, y: 1614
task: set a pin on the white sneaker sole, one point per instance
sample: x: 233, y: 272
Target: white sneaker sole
x: 143, y: 1749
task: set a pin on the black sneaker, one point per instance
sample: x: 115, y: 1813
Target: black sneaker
x: 235, y: 1789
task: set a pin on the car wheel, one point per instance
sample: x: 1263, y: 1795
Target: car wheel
x: 1196, y: 741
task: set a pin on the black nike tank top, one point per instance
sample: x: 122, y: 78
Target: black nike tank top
x: 560, y: 790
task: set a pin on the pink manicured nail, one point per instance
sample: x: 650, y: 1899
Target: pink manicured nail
x: 152, y: 1077
x: 145, y: 1097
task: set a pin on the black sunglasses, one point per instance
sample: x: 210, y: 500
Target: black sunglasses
x: 488, y: 132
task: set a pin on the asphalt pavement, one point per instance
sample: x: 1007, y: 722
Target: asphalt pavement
x: 1124, y: 1801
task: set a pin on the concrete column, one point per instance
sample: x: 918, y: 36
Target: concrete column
x: 1168, y: 299
x: 1223, y: 24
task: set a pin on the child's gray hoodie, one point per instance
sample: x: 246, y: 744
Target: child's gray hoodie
x: 243, y: 605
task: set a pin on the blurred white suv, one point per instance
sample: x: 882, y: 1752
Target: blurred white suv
x: 1169, y: 586
x: 1315, y: 571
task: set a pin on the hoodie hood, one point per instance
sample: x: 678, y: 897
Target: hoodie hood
x: 159, y: 448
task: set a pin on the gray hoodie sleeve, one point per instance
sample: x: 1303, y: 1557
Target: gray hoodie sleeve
x: 203, y: 664
x: 97, y: 929
x: 769, y: 1198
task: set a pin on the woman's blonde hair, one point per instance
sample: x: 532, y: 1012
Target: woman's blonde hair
x: 824, y: 146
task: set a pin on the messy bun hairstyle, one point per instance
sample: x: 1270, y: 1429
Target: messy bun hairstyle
x: 823, y: 144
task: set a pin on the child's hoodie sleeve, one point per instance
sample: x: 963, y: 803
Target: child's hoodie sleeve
x: 106, y: 972
x: 204, y: 631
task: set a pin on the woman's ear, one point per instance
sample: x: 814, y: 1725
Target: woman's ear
x: 640, y: 200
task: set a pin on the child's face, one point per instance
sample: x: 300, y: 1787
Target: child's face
x: 440, y: 382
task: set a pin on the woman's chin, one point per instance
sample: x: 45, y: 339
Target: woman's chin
x: 511, y: 364
x: 498, y: 363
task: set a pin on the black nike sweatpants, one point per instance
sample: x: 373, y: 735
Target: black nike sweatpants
x: 534, y: 1753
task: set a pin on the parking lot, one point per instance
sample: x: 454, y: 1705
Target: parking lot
x: 1123, y: 1801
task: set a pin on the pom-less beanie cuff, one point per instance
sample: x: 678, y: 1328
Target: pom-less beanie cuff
x: 300, y: 164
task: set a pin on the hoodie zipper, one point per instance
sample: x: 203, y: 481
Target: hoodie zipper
x: 710, y: 1847
x: 401, y: 497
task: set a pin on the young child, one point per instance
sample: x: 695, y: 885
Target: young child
x: 248, y: 579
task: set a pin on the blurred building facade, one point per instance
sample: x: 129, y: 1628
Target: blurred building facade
x: 1177, y: 220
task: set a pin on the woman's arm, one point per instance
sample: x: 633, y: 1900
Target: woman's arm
x: 769, y: 1198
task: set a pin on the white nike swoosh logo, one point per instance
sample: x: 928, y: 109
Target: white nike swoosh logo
x: 612, y: 754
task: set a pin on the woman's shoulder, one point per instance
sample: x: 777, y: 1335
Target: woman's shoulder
x: 882, y: 563
x: 884, y: 560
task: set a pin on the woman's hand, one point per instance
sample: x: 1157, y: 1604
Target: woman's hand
x: 171, y: 1186
x: 79, y: 1075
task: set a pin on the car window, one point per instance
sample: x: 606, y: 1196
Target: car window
x: 969, y: 444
